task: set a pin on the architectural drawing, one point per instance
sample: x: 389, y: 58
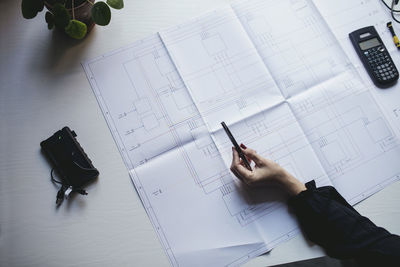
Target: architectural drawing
x: 226, y: 76
x: 343, y: 17
x: 298, y: 48
x: 349, y: 134
x: 289, y: 92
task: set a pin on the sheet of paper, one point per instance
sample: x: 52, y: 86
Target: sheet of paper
x: 142, y: 97
x: 225, y: 75
x: 181, y: 174
x: 284, y: 86
x: 350, y: 135
x: 254, y: 108
x: 200, y: 213
x: 275, y: 134
x: 294, y: 42
x: 344, y: 17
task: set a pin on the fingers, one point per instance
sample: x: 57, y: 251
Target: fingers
x: 237, y: 168
x: 235, y: 161
x: 243, y: 172
x: 252, y: 154
x: 237, y: 175
x: 244, y: 147
x: 235, y: 158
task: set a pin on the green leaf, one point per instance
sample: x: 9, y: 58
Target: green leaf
x: 53, y: 2
x: 117, y: 4
x: 101, y: 13
x: 30, y: 8
x: 61, y: 16
x: 49, y: 17
x: 76, y: 29
x: 50, y: 20
x: 40, y: 5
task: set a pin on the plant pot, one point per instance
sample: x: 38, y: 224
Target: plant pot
x: 82, y: 12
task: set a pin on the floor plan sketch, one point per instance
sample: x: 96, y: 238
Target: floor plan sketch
x: 226, y: 70
x: 298, y: 48
x: 352, y: 16
x: 154, y: 118
x: 349, y: 134
x: 284, y: 87
x: 355, y: 15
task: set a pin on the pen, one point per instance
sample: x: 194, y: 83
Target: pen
x: 237, y: 147
x: 395, y: 38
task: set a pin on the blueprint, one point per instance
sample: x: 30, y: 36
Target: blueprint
x: 305, y: 106
x: 345, y: 16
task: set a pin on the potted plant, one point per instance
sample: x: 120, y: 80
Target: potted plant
x: 75, y: 17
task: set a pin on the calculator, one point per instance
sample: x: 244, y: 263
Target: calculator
x: 374, y: 56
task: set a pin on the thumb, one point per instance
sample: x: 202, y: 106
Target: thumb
x: 252, y: 154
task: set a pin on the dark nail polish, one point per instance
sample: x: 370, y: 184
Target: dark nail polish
x: 243, y: 146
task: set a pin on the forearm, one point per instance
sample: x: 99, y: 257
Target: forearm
x: 328, y: 220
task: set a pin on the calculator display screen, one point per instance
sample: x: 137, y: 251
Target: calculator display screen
x: 369, y: 43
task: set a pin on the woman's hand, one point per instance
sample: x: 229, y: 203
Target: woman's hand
x: 265, y: 172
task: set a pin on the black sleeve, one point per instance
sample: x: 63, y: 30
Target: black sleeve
x: 328, y: 220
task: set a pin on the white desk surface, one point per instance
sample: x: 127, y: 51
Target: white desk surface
x: 43, y: 88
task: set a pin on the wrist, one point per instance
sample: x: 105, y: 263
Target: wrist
x: 292, y: 185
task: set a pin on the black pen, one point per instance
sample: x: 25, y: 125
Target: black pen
x: 237, y: 147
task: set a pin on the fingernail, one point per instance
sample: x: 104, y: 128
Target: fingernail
x: 243, y: 146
